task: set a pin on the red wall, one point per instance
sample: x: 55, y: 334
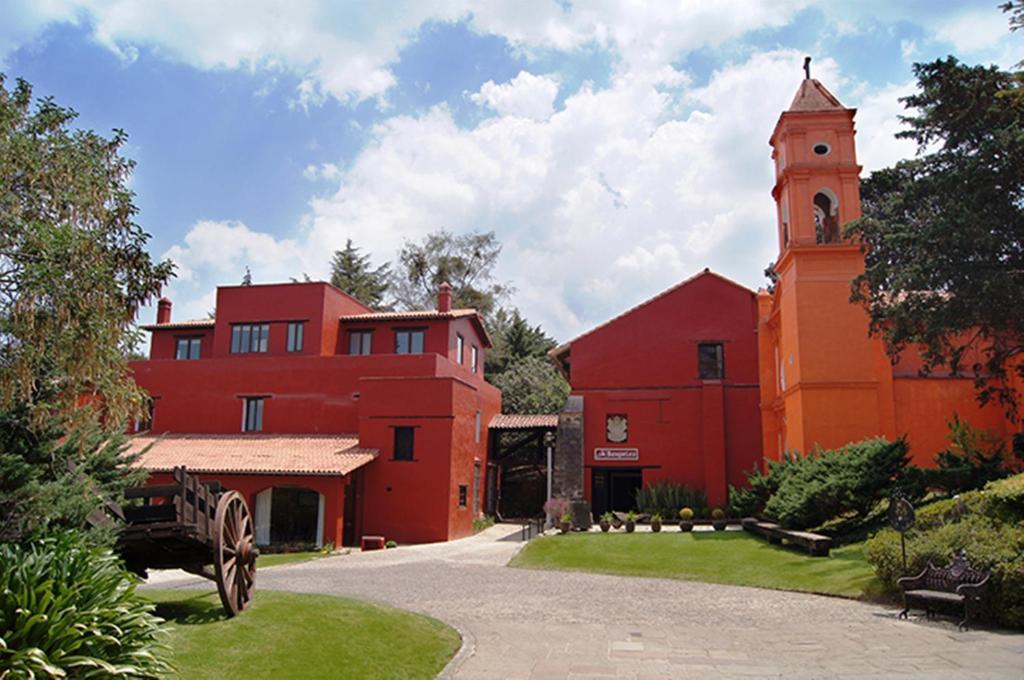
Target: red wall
x: 643, y: 364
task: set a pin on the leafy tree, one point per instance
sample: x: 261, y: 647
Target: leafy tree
x: 351, y: 272
x: 1015, y: 9
x: 73, y: 272
x: 514, y: 339
x: 943, y: 233
x: 531, y: 385
x: 466, y: 262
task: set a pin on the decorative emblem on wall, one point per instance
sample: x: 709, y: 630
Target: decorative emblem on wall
x: 618, y: 428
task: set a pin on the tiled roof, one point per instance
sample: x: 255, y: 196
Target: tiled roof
x: 813, y: 96
x: 253, y: 454
x: 175, y: 325
x: 424, y: 315
x: 415, y: 314
x: 523, y: 422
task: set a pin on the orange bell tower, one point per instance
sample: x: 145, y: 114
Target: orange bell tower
x: 824, y: 382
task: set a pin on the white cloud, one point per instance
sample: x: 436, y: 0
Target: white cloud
x: 973, y: 31
x: 324, y: 171
x: 526, y: 95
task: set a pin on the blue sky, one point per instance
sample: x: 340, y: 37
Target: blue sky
x: 615, y: 148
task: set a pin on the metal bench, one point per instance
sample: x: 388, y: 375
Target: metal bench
x: 956, y: 584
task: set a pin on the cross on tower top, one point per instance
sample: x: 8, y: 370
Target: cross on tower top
x: 807, y: 68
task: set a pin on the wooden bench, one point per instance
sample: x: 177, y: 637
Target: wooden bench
x: 956, y: 584
x: 815, y: 544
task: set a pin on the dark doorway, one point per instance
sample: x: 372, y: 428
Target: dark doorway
x: 351, y: 530
x: 517, y: 472
x: 614, y: 489
x: 293, y: 516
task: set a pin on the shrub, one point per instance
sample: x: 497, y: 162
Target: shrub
x: 556, y: 507
x: 718, y: 513
x: 70, y: 609
x: 481, y: 523
x: 829, y: 484
x: 686, y: 514
x: 391, y: 544
x: 750, y: 500
x: 974, y: 458
x: 665, y: 498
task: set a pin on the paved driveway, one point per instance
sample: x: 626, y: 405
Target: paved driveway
x: 520, y: 623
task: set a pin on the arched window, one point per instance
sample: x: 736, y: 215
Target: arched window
x: 826, y: 217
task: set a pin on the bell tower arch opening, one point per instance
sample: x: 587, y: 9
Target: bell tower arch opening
x: 826, y: 217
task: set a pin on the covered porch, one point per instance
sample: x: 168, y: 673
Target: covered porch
x: 303, y: 490
x: 520, y: 448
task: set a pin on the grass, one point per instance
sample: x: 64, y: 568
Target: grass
x: 274, y: 559
x: 286, y: 635
x: 732, y: 558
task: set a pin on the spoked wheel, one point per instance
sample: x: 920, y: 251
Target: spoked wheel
x: 234, y: 553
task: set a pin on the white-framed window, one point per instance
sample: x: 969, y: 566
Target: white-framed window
x: 460, y: 348
x: 477, y: 427
x: 474, y: 358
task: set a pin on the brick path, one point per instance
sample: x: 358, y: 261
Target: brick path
x: 521, y: 623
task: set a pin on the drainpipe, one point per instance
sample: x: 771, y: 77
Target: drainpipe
x: 549, y: 441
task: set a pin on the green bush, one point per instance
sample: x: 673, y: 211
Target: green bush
x: 67, y: 609
x: 974, y: 458
x: 978, y: 523
x: 666, y: 498
x: 829, y: 484
x: 750, y: 500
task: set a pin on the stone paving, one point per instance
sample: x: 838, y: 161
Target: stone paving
x: 521, y: 623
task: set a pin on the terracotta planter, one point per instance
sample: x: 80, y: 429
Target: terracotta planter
x: 605, y: 526
x: 718, y: 524
x: 564, y: 527
x: 630, y: 526
x: 655, y: 525
x: 686, y: 525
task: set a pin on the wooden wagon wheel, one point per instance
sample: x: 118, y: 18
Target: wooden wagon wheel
x: 234, y: 552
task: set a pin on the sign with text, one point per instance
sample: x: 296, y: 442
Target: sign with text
x: 616, y: 454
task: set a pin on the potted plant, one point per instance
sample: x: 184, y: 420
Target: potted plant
x: 718, y: 519
x: 686, y: 519
x: 554, y: 508
x: 606, y: 521
x: 566, y: 523
x: 630, y: 522
x: 656, y: 522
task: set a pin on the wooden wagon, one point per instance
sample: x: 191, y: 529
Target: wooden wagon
x: 194, y: 526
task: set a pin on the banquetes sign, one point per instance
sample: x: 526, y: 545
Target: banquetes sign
x: 616, y: 454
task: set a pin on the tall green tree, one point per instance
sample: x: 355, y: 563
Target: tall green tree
x: 466, y: 262
x: 531, y: 385
x: 73, y: 272
x: 943, y: 233
x: 514, y: 339
x: 352, y: 273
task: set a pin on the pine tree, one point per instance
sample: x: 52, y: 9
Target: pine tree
x: 351, y: 272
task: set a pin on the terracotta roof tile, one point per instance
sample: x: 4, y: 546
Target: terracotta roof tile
x: 414, y: 314
x: 174, y: 325
x: 512, y: 421
x: 253, y: 454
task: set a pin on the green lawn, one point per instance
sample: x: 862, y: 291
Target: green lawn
x: 735, y: 558
x: 285, y: 635
x: 273, y: 559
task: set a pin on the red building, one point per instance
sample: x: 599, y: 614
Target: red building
x: 670, y: 392
x: 332, y: 419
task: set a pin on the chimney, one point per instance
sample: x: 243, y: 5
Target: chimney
x: 444, y: 298
x: 163, y: 310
